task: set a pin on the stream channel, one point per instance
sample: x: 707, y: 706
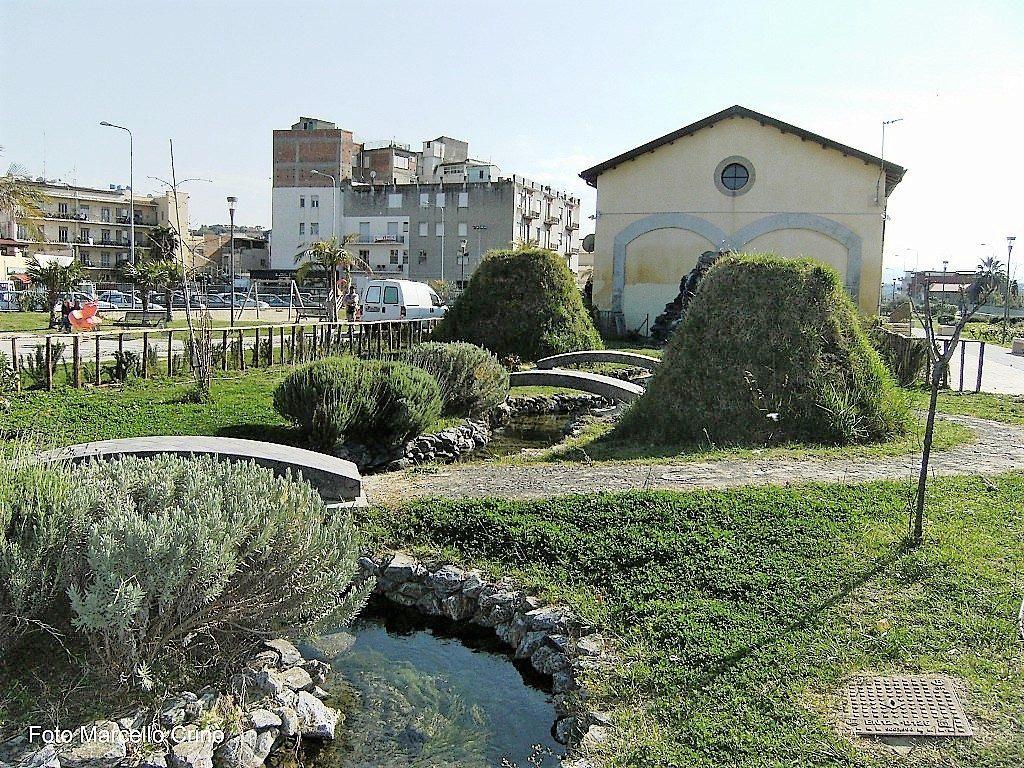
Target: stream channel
x: 418, y: 691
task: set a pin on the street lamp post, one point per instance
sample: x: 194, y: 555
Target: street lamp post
x: 479, y: 229
x: 334, y: 198
x: 131, y: 188
x: 1006, y: 299
x: 945, y: 263
x: 231, y: 215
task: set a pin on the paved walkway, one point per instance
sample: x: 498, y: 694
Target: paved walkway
x: 997, y: 448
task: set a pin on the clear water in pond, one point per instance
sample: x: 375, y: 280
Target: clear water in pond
x: 416, y: 696
x: 522, y: 432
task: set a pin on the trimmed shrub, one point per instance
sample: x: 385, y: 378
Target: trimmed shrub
x: 471, y: 379
x: 770, y: 350
x: 345, y: 399
x: 43, y: 517
x: 521, y: 302
x: 193, y: 556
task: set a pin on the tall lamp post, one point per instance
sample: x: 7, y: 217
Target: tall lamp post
x: 479, y: 229
x: 945, y: 263
x: 231, y: 215
x: 334, y: 198
x: 1006, y: 299
x: 131, y: 188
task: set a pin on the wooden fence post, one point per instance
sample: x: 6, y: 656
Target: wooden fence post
x: 145, y: 354
x: 170, y: 354
x: 256, y: 350
x: 241, y: 349
x: 981, y: 365
x: 99, y: 379
x: 15, y: 362
x: 76, y: 364
x: 49, y: 364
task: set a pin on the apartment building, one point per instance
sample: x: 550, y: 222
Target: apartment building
x: 427, y: 215
x: 91, y: 225
x: 429, y: 231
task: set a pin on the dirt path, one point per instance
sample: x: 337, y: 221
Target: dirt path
x: 996, y: 448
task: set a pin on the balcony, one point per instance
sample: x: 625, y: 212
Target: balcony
x: 570, y: 225
x: 381, y: 239
x: 530, y: 213
x: 553, y: 217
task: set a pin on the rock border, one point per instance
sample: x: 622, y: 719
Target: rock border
x: 280, y: 706
x: 556, y: 642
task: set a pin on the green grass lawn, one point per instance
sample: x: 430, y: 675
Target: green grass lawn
x: 37, y: 322
x: 1005, y: 408
x: 740, y: 614
x: 599, y: 443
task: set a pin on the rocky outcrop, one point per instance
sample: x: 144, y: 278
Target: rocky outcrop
x: 555, y: 641
x: 271, y: 705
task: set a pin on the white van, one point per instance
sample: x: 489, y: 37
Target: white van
x: 400, y: 300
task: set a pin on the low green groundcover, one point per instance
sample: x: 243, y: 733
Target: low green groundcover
x: 740, y: 614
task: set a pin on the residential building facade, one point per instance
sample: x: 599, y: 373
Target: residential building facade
x: 737, y: 180
x: 429, y: 231
x: 426, y: 215
x: 92, y: 225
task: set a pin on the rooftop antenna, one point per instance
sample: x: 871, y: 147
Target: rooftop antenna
x: 44, y: 154
x: 881, y: 173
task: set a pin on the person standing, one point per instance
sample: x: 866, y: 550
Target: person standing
x: 351, y: 303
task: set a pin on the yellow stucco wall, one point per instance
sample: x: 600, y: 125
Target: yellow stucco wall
x: 792, y: 178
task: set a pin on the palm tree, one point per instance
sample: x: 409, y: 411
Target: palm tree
x: 992, y: 268
x: 19, y: 197
x: 326, y: 257
x: 56, y: 278
x: 155, y: 269
x: 146, y: 274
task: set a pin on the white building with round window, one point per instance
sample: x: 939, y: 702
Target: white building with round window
x: 737, y: 180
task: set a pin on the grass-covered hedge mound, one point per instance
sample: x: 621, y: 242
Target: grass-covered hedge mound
x: 345, y: 399
x: 521, y: 302
x: 770, y: 351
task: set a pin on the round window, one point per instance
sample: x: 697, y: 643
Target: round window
x: 735, y: 176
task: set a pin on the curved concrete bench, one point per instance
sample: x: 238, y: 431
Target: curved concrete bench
x: 337, y: 481
x: 606, y: 386
x: 600, y: 356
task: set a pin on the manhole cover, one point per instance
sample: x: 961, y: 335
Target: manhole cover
x: 905, y: 706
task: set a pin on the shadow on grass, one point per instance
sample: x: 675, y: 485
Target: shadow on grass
x: 266, y: 433
x: 727, y: 663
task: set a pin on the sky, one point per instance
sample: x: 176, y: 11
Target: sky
x: 541, y: 89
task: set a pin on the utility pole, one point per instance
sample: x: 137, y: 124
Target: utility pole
x: 231, y: 214
x: 1006, y: 299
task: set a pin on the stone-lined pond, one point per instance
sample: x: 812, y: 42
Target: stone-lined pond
x: 414, y: 695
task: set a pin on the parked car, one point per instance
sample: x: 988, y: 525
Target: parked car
x: 400, y: 300
x: 275, y: 301
x: 216, y: 301
x: 242, y: 303
x: 195, y: 301
x: 120, y: 300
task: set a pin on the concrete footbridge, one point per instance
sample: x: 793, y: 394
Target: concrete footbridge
x: 600, y: 356
x: 336, y: 480
x: 606, y: 386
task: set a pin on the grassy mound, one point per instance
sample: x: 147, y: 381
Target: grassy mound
x: 521, y: 302
x: 770, y: 351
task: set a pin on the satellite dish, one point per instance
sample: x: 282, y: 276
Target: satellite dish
x: 588, y: 243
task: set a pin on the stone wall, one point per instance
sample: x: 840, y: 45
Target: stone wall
x: 556, y: 642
